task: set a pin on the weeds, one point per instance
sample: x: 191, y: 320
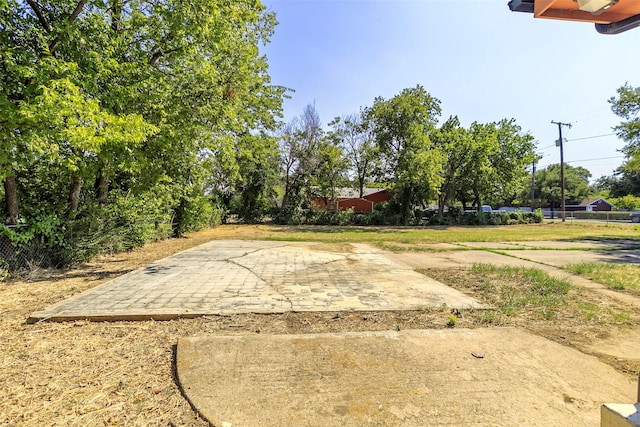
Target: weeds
x: 619, y: 277
x: 452, y: 319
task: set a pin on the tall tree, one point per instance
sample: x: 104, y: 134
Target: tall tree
x: 626, y: 105
x: 457, y: 147
x: 301, y: 143
x: 497, y: 160
x: 622, y: 183
x: 257, y: 177
x: 358, y: 143
x: 403, y: 128
x: 547, y: 188
x: 153, y: 92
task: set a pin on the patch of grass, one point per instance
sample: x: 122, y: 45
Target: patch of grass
x: 524, y: 296
x: 513, y: 291
x: 400, y: 237
x: 603, y: 315
x: 620, y: 277
x: 407, y: 247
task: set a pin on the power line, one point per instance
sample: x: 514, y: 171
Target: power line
x: 599, y: 158
x: 590, y: 137
x: 578, y: 139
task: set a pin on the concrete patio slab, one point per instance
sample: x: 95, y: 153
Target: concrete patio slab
x: 235, y: 276
x: 482, y: 377
x: 457, y: 259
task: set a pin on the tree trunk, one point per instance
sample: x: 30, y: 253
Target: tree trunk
x: 102, y: 189
x: 74, y: 194
x: 476, y: 195
x: 11, y: 199
x: 441, y: 202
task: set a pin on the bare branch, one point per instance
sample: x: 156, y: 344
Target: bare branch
x: 77, y: 10
x: 159, y: 54
x: 38, y: 11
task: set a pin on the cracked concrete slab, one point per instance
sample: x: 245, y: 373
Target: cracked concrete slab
x: 235, y: 276
x: 487, y: 377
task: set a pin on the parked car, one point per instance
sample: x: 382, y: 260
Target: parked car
x: 634, y: 217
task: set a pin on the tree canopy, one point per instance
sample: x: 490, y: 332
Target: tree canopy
x: 547, y: 189
x: 626, y: 105
x: 104, y: 101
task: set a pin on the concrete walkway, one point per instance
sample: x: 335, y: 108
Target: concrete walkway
x: 235, y: 276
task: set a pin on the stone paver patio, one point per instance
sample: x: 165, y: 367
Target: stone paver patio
x: 234, y: 276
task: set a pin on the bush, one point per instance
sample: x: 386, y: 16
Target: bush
x: 39, y: 243
x: 127, y: 222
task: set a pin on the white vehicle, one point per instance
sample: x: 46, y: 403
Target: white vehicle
x: 634, y: 217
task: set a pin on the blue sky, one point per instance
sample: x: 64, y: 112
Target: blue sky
x: 482, y: 61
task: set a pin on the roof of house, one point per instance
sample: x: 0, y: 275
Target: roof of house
x: 589, y: 202
x: 353, y: 193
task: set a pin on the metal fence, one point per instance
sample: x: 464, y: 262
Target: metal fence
x: 26, y: 256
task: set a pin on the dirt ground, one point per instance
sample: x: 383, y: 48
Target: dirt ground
x: 122, y: 373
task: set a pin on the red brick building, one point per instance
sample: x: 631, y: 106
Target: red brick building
x: 348, y: 199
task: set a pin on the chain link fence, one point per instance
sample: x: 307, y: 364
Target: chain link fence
x: 27, y: 255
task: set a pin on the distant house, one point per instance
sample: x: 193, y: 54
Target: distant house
x: 598, y: 204
x: 347, y: 198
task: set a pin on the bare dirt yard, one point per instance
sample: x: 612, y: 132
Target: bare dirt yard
x: 122, y: 373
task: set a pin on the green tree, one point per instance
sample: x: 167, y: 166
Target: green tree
x: 358, y: 143
x: 404, y: 127
x: 141, y: 97
x: 547, y: 190
x: 301, y: 143
x: 626, y: 105
x: 627, y: 202
x: 331, y: 171
x: 498, y: 157
x: 457, y: 145
x: 623, y: 182
x: 257, y: 178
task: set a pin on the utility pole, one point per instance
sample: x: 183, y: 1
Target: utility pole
x: 533, y: 184
x: 559, y: 144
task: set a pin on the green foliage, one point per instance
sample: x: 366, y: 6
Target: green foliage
x: 547, y: 190
x: 47, y: 229
x: 125, y: 117
x: 627, y: 106
x: 356, y: 138
x: 324, y: 217
x: 627, y: 202
x: 623, y: 183
x: 404, y: 127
